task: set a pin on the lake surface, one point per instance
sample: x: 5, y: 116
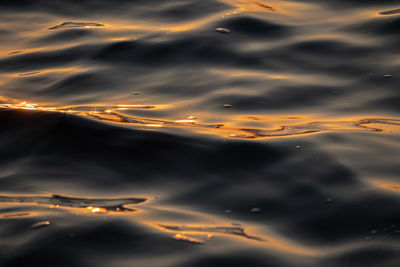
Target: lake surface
x: 199, y: 133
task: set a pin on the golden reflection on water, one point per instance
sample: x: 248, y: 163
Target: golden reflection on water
x: 288, y: 77
x: 201, y: 228
x: 15, y: 215
x: 40, y: 224
x: 96, y: 209
x: 234, y: 126
x: 395, y: 187
x: 207, y: 228
x: 188, y: 239
x: 119, y: 29
x: 68, y: 70
x: 263, y: 5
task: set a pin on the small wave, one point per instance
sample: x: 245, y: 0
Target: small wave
x: 319, y: 127
x: 258, y: 3
x: 94, y: 205
x: 390, y: 12
x: 67, y: 25
x: 115, y: 114
x: 238, y: 231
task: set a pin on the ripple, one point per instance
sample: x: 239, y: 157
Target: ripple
x: 237, y: 231
x: 94, y: 205
x: 256, y: 28
x: 261, y: 4
x: 41, y: 224
x: 63, y: 37
x: 390, y: 12
x: 115, y: 114
x: 223, y: 30
x: 68, y: 25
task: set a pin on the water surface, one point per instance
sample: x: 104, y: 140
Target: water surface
x: 199, y: 133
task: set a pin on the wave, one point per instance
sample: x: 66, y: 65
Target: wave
x: 92, y: 204
x: 114, y: 114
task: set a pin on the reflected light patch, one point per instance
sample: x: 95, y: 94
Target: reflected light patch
x: 26, y: 105
x: 185, y: 121
x: 96, y: 210
x: 183, y: 237
x: 41, y: 224
x: 387, y: 186
x: 244, y: 126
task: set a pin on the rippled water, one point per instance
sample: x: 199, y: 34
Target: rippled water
x: 199, y: 133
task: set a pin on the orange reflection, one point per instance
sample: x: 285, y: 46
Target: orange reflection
x: 263, y: 5
x: 187, y: 238
x: 261, y: 75
x: 385, y: 185
x: 235, y: 126
x: 205, y: 233
x: 40, y: 224
x: 195, y: 233
x: 205, y: 227
x: 96, y: 210
x: 14, y: 215
x: 276, y: 6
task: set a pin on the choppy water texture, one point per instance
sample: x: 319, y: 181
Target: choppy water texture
x: 199, y: 133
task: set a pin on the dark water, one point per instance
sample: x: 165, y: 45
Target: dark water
x: 199, y: 133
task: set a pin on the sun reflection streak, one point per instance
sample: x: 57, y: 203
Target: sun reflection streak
x: 183, y: 237
x: 235, y: 126
x: 386, y: 185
